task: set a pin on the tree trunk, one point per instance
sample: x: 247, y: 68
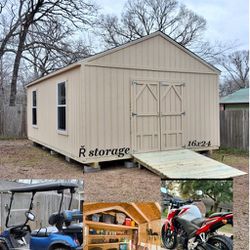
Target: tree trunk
x: 216, y: 205
x: 1, y: 99
x: 22, y: 37
x: 13, y: 85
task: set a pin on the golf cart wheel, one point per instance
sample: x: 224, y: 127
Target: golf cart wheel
x: 3, y: 246
x: 60, y: 248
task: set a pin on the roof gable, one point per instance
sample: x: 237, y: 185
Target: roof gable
x: 167, y: 49
x: 154, y: 51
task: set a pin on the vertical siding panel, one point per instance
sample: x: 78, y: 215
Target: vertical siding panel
x: 216, y: 80
x: 212, y: 108
x: 88, y: 105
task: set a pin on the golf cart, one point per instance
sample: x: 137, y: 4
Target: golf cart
x: 61, y: 235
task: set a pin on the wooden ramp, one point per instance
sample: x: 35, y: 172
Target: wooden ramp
x: 185, y: 164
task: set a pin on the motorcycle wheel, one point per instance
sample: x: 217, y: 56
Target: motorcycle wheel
x: 3, y: 246
x: 168, y: 238
x: 221, y: 242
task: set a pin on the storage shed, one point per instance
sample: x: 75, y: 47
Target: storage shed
x: 119, y: 226
x: 151, y: 94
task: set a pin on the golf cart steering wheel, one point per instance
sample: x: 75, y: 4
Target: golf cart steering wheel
x: 21, y: 230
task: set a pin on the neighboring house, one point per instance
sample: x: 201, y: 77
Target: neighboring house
x: 237, y: 100
x: 234, y: 120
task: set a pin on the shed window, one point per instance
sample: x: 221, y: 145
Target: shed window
x: 34, y: 108
x: 61, y: 106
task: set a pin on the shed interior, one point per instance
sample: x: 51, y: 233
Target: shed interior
x: 122, y: 226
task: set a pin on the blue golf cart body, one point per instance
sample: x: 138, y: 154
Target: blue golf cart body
x: 62, y: 234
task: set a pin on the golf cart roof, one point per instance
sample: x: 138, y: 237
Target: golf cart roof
x: 43, y: 187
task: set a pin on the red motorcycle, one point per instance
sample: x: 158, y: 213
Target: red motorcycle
x: 185, y: 226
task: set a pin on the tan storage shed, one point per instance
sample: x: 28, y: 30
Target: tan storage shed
x: 148, y: 95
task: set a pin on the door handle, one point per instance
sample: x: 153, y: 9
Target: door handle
x: 133, y: 114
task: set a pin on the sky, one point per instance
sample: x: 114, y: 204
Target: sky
x: 227, y: 20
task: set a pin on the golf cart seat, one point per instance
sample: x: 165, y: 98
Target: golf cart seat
x: 44, y: 232
x: 74, y: 228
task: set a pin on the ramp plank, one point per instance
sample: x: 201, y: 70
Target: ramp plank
x: 185, y: 164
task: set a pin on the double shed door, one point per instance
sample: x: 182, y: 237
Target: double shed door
x: 157, y: 115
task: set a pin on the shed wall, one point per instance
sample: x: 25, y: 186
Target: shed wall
x: 108, y: 114
x: 46, y: 132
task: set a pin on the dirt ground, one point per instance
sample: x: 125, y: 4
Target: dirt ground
x: 241, y: 198
x: 20, y: 159
x: 116, y: 183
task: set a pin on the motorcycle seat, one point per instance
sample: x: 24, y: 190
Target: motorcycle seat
x: 44, y: 232
x: 198, y: 222
x: 219, y: 214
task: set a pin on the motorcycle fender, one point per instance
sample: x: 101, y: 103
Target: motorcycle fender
x: 168, y: 225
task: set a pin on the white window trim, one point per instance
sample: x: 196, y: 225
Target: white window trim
x: 32, y: 106
x: 61, y: 131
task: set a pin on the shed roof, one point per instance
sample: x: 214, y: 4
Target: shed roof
x: 240, y: 96
x: 142, y: 212
x: 112, y: 50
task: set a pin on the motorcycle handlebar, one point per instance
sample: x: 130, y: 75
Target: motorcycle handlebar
x: 178, y: 203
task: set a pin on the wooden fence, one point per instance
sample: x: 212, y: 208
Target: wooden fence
x: 13, y: 121
x: 44, y: 205
x: 234, y: 129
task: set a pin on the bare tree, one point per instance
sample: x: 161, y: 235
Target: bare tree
x: 142, y: 17
x: 23, y: 14
x: 236, y: 66
x: 50, y: 47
